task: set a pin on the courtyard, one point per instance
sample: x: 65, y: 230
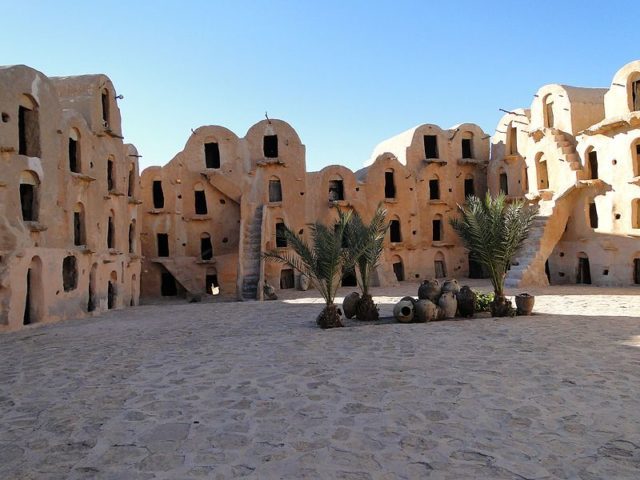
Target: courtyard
x: 227, y: 390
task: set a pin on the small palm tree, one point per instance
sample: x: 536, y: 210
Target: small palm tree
x: 365, y: 247
x: 322, y: 262
x: 493, y: 231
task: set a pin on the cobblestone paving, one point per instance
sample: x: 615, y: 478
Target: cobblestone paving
x: 229, y: 390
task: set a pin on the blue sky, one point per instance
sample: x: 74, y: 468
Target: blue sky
x: 345, y: 74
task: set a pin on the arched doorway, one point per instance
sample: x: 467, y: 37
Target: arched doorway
x: 34, y: 295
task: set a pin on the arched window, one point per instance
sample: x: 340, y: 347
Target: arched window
x: 29, y: 195
x: 200, y: 199
x: 469, y: 186
x: 336, y: 189
x: 275, y: 190
x: 542, y: 172
x: 434, y: 188
x: 467, y: 145
x: 74, y: 151
x: 28, y: 127
x: 395, y: 234
x: 549, y: 120
x: 504, y: 181
x: 592, y: 163
x: 79, y: 226
x: 438, y: 228
x: 206, y: 247
x: 439, y: 265
x: 398, y: 268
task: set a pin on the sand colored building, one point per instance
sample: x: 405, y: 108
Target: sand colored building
x: 69, y: 240
x: 217, y: 205
x: 576, y: 153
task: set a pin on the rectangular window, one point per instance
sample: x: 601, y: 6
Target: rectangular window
x: 281, y: 239
x: 158, y: 195
x: 513, y: 141
x: 398, y: 269
x: 593, y: 164
x: 212, y: 155
x: 270, y: 146
x: 163, y: 244
x: 77, y: 229
x: 28, y: 202
x: 437, y: 230
x: 200, y: 202
x: 111, y: 234
x: 431, y: 146
x: 275, y: 191
x: 394, y: 231
x: 440, y: 269
x: 105, y: 108
x: 336, y: 190
x: 593, y: 215
x: 469, y: 188
x: 466, y: 148
x: 206, y: 248
x: 73, y: 155
x: 28, y: 132
x: 389, y: 185
x: 635, y: 95
x: 434, y: 189
x: 504, y: 183
x: 110, y: 182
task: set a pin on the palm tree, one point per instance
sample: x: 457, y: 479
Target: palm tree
x: 322, y: 262
x: 493, y: 231
x: 365, y: 247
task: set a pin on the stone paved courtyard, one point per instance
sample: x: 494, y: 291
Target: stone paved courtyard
x: 228, y: 390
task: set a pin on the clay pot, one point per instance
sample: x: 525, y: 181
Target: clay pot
x: 409, y: 299
x: 451, y: 286
x: 269, y: 292
x: 448, y: 304
x: 403, y: 311
x: 429, y: 290
x: 350, y: 303
x: 466, y: 301
x: 304, y: 283
x: 425, y: 311
x: 524, y: 303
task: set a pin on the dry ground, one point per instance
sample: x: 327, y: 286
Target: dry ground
x: 224, y: 390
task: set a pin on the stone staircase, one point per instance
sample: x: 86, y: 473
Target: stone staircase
x: 251, y: 256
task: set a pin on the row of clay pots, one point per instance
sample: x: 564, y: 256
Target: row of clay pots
x: 408, y: 309
x: 432, y: 289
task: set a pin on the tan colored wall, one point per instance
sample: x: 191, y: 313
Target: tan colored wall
x: 43, y: 244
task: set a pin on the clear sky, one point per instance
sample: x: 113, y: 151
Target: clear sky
x: 346, y: 74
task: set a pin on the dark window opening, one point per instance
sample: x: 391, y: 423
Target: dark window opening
x: 469, y: 187
x: 206, y: 248
x: 434, y: 189
x: 211, y: 283
x: 78, y: 228
x: 547, y: 271
x: 349, y: 278
x: 398, y: 270
x: 440, y: 268
x: 74, y: 164
x: 132, y: 238
x: 275, y: 191
x: 105, y: 108
x: 212, y: 155
x: 27, y: 316
x: 336, y: 190
x: 281, y: 239
x: 467, y: 151
x: 513, y: 141
x: 131, y: 183
x: 635, y: 95
x: 593, y: 215
x: 168, y: 285
x: 504, y: 183
x: 584, y: 271
x: 111, y: 295
x: 394, y: 231
x: 110, y: 183
x: 69, y: 273
x: 593, y: 164
x: 163, y: 244
x: 437, y: 230
x: 549, y: 118
x: 287, y: 279
x: 111, y: 234
x: 636, y: 271
x: 270, y: 146
x: 200, y: 202
x: 28, y: 132
x: 28, y: 202
x: 389, y: 185
x: 431, y: 146
x: 158, y: 194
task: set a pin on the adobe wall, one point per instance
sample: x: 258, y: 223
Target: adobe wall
x: 68, y: 200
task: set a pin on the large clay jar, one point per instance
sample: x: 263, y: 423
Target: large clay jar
x: 524, y: 303
x: 425, y: 311
x: 303, y: 282
x: 409, y: 299
x: 403, y: 311
x: 451, y: 286
x: 350, y: 303
x: 448, y: 304
x: 269, y: 292
x: 466, y: 301
x: 429, y: 290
